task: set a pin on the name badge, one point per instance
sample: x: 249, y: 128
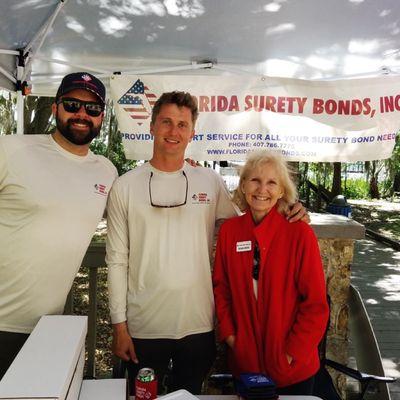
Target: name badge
x: 243, y: 246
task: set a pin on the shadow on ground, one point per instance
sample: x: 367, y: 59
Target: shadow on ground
x: 376, y: 274
x: 380, y: 216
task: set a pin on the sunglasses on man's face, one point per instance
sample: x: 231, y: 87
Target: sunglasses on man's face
x: 72, y: 105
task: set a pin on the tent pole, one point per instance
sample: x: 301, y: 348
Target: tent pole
x: 234, y: 70
x: 80, y: 66
x: 20, y: 113
x: 3, y: 71
x: 137, y: 72
x: 11, y: 52
x: 169, y: 69
x: 7, y: 74
x: 20, y: 93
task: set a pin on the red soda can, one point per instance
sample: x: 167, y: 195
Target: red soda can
x: 146, y: 384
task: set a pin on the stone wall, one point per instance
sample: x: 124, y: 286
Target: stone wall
x: 336, y: 235
x: 337, y: 255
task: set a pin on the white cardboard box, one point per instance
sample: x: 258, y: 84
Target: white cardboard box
x: 181, y: 394
x: 103, y: 389
x: 75, y: 387
x: 48, y: 363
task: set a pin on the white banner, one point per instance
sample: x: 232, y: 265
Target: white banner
x: 346, y: 120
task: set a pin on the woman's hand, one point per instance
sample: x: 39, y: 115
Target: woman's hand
x: 289, y: 359
x: 230, y: 341
x: 191, y: 162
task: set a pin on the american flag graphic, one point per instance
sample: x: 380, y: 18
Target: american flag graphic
x: 101, y: 189
x: 135, y: 99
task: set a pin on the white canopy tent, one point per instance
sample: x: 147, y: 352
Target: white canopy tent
x: 42, y: 40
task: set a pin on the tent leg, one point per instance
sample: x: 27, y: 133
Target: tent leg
x: 20, y: 93
x: 20, y: 113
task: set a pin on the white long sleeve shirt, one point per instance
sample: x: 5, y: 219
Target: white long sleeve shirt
x: 159, y: 258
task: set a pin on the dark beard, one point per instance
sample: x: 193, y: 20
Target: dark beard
x: 72, y: 136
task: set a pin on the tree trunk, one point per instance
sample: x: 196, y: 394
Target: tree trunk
x: 295, y: 168
x: 373, y: 187
x: 41, y: 106
x: 373, y: 181
x: 367, y: 166
x: 337, y: 179
x: 396, y: 182
x: 305, y: 191
x: 29, y: 107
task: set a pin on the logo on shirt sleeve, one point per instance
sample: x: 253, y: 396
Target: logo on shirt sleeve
x: 101, y: 189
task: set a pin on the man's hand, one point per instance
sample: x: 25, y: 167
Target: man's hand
x: 191, y: 162
x: 230, y: 341
x: 298, y: 212
x: 122, y: 345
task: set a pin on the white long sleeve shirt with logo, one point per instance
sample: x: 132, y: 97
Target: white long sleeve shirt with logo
x: 159, y: 258
x: 51, y: 202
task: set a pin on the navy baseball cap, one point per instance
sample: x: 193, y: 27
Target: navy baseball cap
x: 82, y: 80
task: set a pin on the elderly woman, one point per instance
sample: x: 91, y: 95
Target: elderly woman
x: 269, y: 284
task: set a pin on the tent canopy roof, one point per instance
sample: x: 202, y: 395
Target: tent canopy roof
x: 309, y: 39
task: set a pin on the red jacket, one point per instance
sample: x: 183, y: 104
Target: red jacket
x: 291, y: 311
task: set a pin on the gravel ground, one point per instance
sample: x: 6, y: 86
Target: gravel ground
x: 81, y: 298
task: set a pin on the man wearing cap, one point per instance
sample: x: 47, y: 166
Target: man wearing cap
x: 53, y: 192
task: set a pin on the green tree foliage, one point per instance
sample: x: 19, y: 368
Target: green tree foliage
x: 114, y: 151
x: 391, y: 185
x: 381, y: 179
x: 383, y: 176
x: 109, y: 142
x: 37, y: 114
x: 356, y: 189
x: 314, y: 180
